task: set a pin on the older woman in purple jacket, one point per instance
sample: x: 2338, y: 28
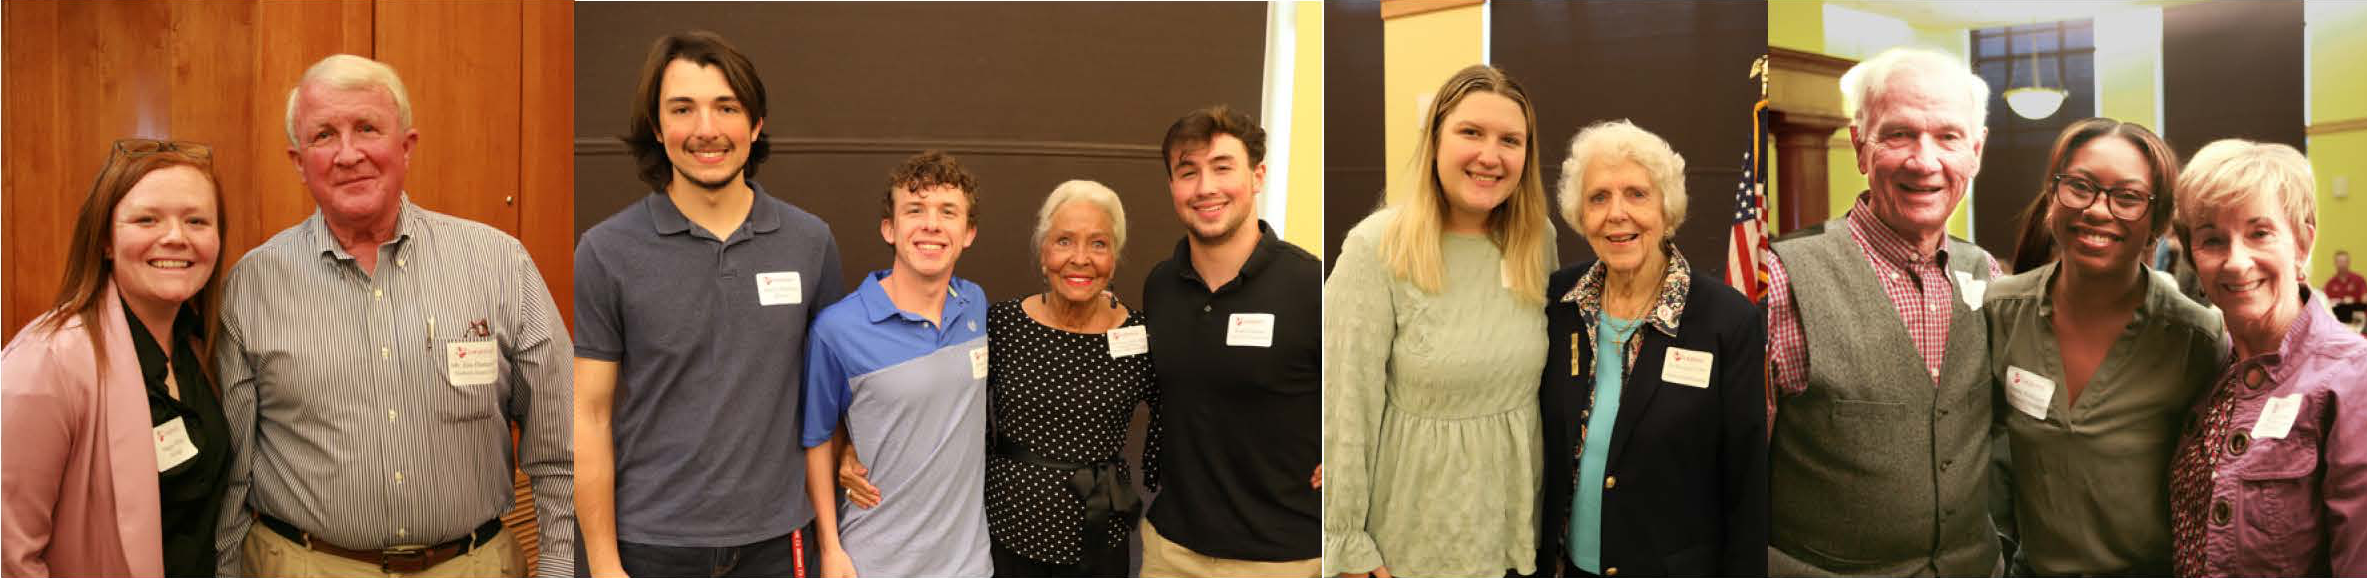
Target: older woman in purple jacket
x: 2270, y: 477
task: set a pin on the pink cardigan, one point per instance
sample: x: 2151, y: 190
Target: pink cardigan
x: 79, y: 474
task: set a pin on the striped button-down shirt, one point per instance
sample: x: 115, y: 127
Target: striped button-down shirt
x: 355, y: 412
x: 1918, y: 286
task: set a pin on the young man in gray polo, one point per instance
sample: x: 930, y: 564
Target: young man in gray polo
x: 691, y: 308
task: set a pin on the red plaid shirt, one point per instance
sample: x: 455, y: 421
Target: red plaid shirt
x: 1919, y: 288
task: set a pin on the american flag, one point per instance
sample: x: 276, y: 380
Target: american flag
x: 1746, y: 243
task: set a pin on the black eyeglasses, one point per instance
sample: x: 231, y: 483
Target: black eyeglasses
x: 2078, y: 193
x: 140, y: 147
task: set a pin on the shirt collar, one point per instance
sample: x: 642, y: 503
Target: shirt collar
x: 667, y: 219
x: 877, y: 306
x: 1267, y: 245
x: 325, y: 242
x: 1887, y: 245
x: 1676, y: 280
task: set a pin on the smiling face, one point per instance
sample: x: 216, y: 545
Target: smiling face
x: 1624, y: 218
x: 1919, y: 152
x: 2093, y: 240
x: 2248, y: 257
x: 929, y: 228
x: 1482, y: 145
x: 1215, y: 187
x: 165, y: 239
x: 352, y: 151
x: 1080, y: 252
x: 706, y: 129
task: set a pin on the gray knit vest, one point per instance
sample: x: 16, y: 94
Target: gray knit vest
x: 1873, y: 470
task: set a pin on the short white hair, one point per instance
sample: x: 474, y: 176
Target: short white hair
x: 1083, y: 191
x: 2231, y: 171
x: 349, y: 72
x: 1865, y: 83
x: 1621, y: 139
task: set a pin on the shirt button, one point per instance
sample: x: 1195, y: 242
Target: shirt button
x: 384, y: 353
x: 2220, y: 512
x: 1613, y: 571
x: 402, y: 533
x: 1610, y: 482
x: 390, y: 415
x: 2238, y: 442
x: 1206, y: 308
x: 398, y: 477
x: 377, y: 294
x: 399, y: 263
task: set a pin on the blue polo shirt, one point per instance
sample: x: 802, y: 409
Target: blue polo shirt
x: 912, y: 394
x: 708, y: 336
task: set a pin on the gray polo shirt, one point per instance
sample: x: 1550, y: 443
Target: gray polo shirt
x: 709, y: 338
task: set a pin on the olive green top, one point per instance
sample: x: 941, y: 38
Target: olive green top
x: 1432, y: 446
x: 2089, y: 484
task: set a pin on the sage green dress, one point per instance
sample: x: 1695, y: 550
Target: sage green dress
x: 1431, y: 438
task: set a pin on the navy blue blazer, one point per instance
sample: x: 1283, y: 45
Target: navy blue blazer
x: 1690, y: 464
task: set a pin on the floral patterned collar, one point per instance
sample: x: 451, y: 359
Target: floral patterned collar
x: 1674, y: 283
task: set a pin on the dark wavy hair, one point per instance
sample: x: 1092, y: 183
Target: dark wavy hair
x: 706, y: 49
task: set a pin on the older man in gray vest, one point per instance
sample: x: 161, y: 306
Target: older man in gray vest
x: 1881, y: 434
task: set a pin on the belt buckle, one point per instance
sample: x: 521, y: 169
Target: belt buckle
x: 403, y: 560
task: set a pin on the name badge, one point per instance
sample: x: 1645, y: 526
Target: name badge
x: 2276, y: 417
x: 172, y: 445
x: 978, y: 363
x: 779, y: 288
x: 1972, y: 290
x: 1250, y: 330
x: 2029, y: 392
x: 1129, y: 341
x: 470, y: 363
x: 1686, y: 367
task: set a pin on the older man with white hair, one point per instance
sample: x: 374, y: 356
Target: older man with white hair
x: 372, y: 359
x: 1880, y: 442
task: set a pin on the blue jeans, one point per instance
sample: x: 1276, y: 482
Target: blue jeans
x: 773, y: 557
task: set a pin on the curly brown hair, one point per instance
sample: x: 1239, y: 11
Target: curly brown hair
x: 925, y: 170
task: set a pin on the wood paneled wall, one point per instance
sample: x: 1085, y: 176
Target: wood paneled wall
x: 491, y: 85
x: 493, y: 114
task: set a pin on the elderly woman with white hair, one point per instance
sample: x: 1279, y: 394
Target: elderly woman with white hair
x: 2270, y: 476
x: 1069, y: 366
x: 1655, y: 440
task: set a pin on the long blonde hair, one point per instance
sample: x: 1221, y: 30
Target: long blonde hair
x: 1519, y: 227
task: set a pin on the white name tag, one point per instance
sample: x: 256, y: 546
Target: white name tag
x: 2028, y: 392
x: 172, y: 445
x: 1250, y: 330
x: 2276, y: 417
x: 779, y: 288
x: 1129, y: 341
x: 469, y: 363
x: 1683, y: 366
x: 978, y: 363
x: 1972, y: 290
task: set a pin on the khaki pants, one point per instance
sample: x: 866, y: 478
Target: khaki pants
x: 269, y: 554
x: 1162, y: 559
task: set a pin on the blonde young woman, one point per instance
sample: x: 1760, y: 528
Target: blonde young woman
x: 1434, y: 337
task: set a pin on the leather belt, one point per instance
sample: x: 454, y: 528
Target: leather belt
x: 403, y: 560
x: 1096, y: 484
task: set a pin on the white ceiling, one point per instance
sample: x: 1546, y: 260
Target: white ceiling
x: 1986, y: 13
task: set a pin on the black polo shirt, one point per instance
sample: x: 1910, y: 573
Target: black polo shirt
x: 1241, y: 424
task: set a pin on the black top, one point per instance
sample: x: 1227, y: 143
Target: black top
x: 1243, y: 424
x: 1689, y: 464
x: 190, y: 493
x: 1066, y: 398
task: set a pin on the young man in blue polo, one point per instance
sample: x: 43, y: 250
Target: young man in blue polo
x: 898, y: 368
x: 691, y: 308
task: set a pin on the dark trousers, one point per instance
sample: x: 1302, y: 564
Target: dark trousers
x: 1095, y: 561
x: 770, y: 558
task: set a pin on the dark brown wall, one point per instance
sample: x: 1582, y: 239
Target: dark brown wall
x: 2232, y: 70
x: 1353, y: 143
x: 1026, y: 94
x: 1678, y: 69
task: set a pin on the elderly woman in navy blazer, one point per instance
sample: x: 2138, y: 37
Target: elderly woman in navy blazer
x: 1653, y: 403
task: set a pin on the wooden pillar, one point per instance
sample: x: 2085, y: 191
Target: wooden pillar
x: 1800, y: 153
